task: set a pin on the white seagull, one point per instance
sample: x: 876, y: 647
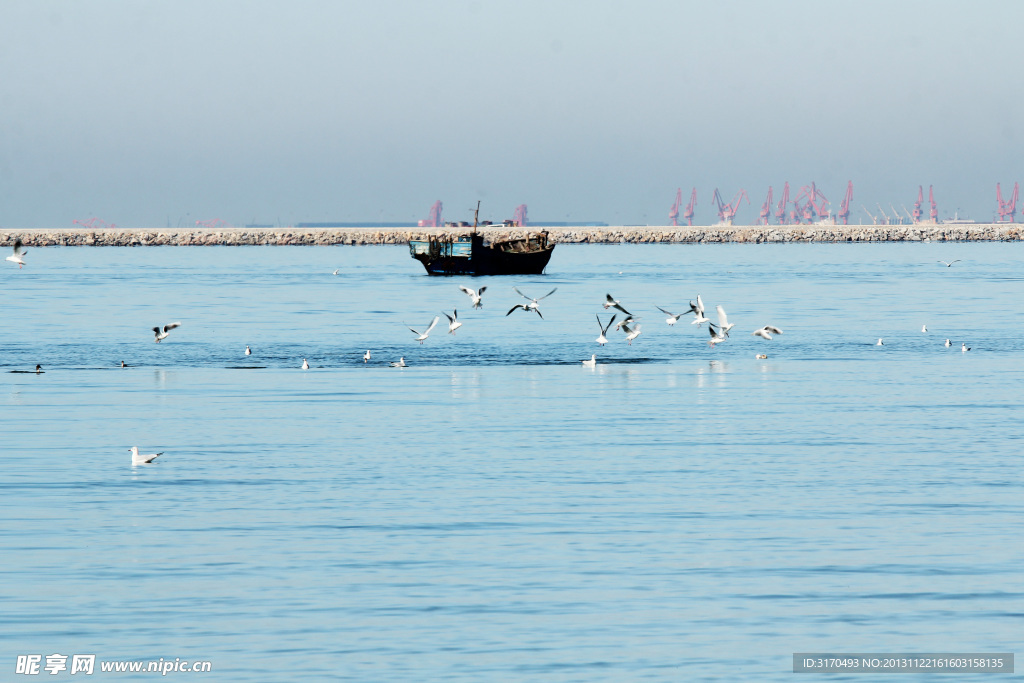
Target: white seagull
x: 609, y: 302
x: 964, y: 348
x: 335, y: 271
x: 592, y: 363
x: 19, y: 253
x: 142, y: 459
x: 532, y: 306
x: 474, y: 295
x: 672, y: 317
x: 366, y: 356
x: 879, y: 342
x: 248, y: 351
x: 723, y: 322
x: 698, y: 312
x: 924, y: 328
x: 162, y: 334
x: 399, y: 364
x: 717, y: 336
x: 766, y: 332
x: 453, y: 321
x: 602, y: 340
x: 631, y: 333
x: 423, y: 337
x: 948, y: 343
x: 305, y: 365
x: 949, y: 263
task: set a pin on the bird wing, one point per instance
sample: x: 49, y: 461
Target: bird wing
x: 19, y: 248
x: 171, y: 326
x: 521, y: 294
x: 622, y: 309
x: 722, y: 320
x: 523, y: 306
x: 411, y: 330
x: 156, y: 330
x: 480, y: 292
x: 548, y: 294
x: 450, y: 319
x: 772, y: 329
x: 665, y: 312
x: 953, y: 261
x: 604, y: 330
x: 700, y: 305
x: 432, y: 323
x: 467, y: 290
x: 538, y: 313
x: 609, y: 300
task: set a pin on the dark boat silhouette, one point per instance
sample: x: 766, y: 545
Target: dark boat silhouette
x: 468, y: 254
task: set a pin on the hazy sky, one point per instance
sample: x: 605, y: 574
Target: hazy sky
x: 149, y: 112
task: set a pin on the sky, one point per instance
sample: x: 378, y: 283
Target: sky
x: 165, y: 112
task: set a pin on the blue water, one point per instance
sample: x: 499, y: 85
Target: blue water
x: 495, y: 511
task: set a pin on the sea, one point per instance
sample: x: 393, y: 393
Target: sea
x: 495, y: 510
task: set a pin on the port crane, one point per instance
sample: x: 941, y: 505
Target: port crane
x: 673, y: 213
x: 688, y: 214
x: 780, y: 210
x: 726, y: 212
x: 213, y: 223
x: 1007, y: 208
x: 766, y: 208
x: 434, y: 219
x: 807, y: 202
x: 874, y: 219
x: 519, y: 217
x: 844, y: 208
x: 916, y: 217
x: 93, y: 223
x: 933, y: 215
x: 885, y: 218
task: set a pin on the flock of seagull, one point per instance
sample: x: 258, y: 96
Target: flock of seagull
x: 629, y: 325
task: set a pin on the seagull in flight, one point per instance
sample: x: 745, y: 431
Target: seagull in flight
x: 399, y: 364
x: 698, y: 312
x: 366, y: 356
x: 602, y: 340
x: 948, y: 264
x: 766, y: 332
x: 628, y: 320
x: 423, y: 337
x: 19, y: 253
x: 672, y: 317
x: 717, y: 336
x: 453, y: 321
x: 532, y: 305
x: 142, y: 459
x: 723, y: 322
x: 592, y: 363
x: 474, y: 295
x: 631, y: 333
x: 162, y: 334
x: 609, y: 302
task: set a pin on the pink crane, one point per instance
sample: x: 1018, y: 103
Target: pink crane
x: 519, y: 217
x: 1007, y: 208
x: 94, y: 223
x: 844, y: 208
x: 917, y: 205
x: 214, y: 223
x: 673, y: 213
x: 808, y: 205
x: 688, y: 214
x: 934, y: 213
x: 780, y: 210
x: 726, y: 212
x: 766, y: 209
x: 434, y: 220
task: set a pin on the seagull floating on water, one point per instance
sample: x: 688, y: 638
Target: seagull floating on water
x: 592, y: 363
x: 766, y: 332
x: 143, y: 459
x: 602, y: 340
x: 964, y: 348
x: 948, y: 343
x: 672, y: 317
x: 453, y: 321
x: 336, y: 271
x: 162, y: 334
x: 761, y: 356
x: 532, y: 305
x: 248, y: 351
x: 924, y: 328
x: 423, y: 337
x: 609, y: 302
x: 879, y: 342
x: 474, y: 295
x: 366, y: 356
x: 39, y: 369
x: 305, y: 365
x: 400, y: 363
x: 19, y: 253
x: 949, y: 263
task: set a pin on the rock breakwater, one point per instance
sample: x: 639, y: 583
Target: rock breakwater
x: 154, y: 237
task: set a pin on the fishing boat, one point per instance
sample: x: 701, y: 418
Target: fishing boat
x: 468, y: 254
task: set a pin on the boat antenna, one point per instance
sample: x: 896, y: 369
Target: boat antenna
x: 476, y: 214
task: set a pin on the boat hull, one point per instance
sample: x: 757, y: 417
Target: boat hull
x: 468, y: 255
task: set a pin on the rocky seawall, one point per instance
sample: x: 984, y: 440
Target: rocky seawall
x: 153, y: 237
